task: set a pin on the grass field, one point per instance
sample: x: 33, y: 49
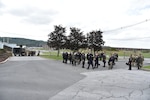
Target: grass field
x: 52, y: 57
x: 146, y: 67
x: 53, y: 54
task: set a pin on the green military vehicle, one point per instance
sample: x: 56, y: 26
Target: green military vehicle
x: 18, y: 51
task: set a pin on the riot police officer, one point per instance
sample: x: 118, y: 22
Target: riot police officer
x: 139, y: 61
x: 90, y: 60
x: 104, y: 59
x: 83, y: 59
x: 130, y: 62
x: 96, y: 60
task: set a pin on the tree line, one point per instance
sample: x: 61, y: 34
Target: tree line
x: 23, y: 41
x: 75, y: 40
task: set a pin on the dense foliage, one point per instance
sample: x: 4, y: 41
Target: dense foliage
x: 57, y: 38
x: 75, y: 40
x: 95, y: 40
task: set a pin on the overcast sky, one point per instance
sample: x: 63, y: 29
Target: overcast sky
x: 35, y: 19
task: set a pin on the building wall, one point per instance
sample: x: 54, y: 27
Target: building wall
x: 7, y: 44
x: 1, y: 45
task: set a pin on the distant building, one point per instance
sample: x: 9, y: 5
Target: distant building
x: 2, y: 44
x: 124, y: 48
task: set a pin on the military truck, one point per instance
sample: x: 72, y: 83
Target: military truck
x: 18, y: 51
x: 23, y: 51
x: 31, y: 53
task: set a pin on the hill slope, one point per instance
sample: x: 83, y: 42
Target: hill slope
x: 23, y: 41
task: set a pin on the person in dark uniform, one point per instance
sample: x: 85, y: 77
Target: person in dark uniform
x: 83, y: 59
x: 73, y: 59
x: 104, y: 59
x: 101, y: 55
x: 63, y: 55
x: 66, y: 57
x: 38, y: 53
x: 76, y: 54
x: 111, y: 60
x: 139, y: 61
x: 96, y: 60
x: 90, y: 60
x: 88, y: 56
x: 115, y: 56
x: 130, y: 62
x: 80, y: 57
x: 70, y: 57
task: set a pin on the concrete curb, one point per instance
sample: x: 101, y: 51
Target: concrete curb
x: 4, y: 60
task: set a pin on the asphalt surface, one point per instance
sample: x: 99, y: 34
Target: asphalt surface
x: 116, y: 84
x: 35, y: 78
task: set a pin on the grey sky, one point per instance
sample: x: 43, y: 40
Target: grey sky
x: 35, y: 19
x: 34, y: 15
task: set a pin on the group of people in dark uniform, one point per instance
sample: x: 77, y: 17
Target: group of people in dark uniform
x: 112, y: 59
x: 92, y: 60
x: 77, y: 58
x: 135, y: 60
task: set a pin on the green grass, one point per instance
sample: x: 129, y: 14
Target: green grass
x: 146, y: 67
x: 146, y: 55
x: 51, y: 55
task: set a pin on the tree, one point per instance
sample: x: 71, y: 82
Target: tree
x: 76, y: 39
x: 95, y: 40
x: 84, y: 43
x: 57, y: 38
x: 66, y: 44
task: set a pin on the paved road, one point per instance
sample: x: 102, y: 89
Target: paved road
x: 119, y: 84
x: 35, y: 78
